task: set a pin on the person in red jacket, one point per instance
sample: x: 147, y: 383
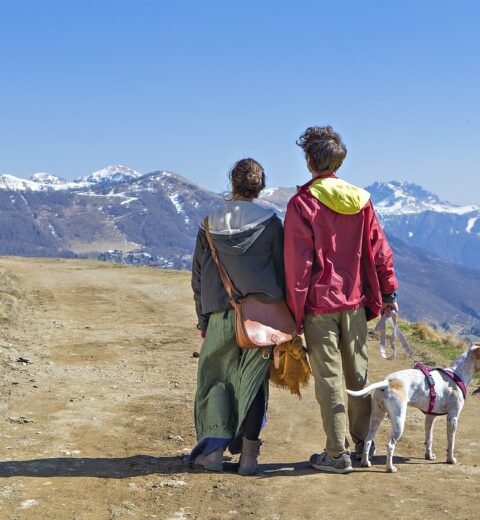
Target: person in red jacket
x: 339, y: 274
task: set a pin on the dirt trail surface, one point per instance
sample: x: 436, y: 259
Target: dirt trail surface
x: 96, y: 406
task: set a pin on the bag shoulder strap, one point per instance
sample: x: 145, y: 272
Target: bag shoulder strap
x: 227, y: 282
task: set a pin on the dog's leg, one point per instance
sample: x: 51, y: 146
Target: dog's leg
x: 452, y: 422
x: 429, y: 421
x: 376, y: 417
x: 397, y: 411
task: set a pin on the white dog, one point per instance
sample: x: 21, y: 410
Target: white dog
x: 443, y: 392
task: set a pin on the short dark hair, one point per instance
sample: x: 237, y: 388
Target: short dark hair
x: 248, y: 178
x: 323, y: 147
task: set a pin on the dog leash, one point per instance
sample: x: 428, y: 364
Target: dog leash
x: 381, y: 328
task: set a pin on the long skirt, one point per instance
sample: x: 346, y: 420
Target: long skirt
x: 228, y: 380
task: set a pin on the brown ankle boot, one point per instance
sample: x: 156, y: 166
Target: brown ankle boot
x: 211, y: 462
x: 248, y: 457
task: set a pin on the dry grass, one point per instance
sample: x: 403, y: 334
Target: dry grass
x: 431, y: 346
x: 426, y: 333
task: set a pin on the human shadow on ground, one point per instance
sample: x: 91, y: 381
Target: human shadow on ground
x: 101, y: 467
x: 297, y: 469
x: 141, y: 465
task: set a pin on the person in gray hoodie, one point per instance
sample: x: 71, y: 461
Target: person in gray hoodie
x: 232, y: 383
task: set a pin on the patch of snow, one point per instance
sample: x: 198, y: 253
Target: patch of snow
x: 179, y: 207
x: 471, y: 222
x: 24, y: 199
x: 410, y: 234
x: 176, y: 203
x: 52, y: 229
x: 128, y: 201
x: 410, y: 205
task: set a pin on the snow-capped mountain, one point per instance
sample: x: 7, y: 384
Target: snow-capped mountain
x: 116, y: 211
x: 421, y: 219
x: 43, y: 181
x: 110, y: 174
x: 12, y: 183
x: 403, y: 198
x: 48, y: 179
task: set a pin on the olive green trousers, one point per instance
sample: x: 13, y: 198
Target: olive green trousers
x: 337, y: 350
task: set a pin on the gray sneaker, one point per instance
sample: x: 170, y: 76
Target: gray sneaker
x: 360, y: 445
x: 324, y: 462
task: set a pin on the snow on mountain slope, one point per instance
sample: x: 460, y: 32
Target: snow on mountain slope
x: 46, y: 181
x: 12, y: 183
x: 395, y: 198
x: 276, y: 199
x: 421, y: 219
x: 47, y: 178
x: 110, y: 174
x: 188, y: 199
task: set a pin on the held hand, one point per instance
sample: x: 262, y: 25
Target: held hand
x: 202, y: 333
x: 387, y: 308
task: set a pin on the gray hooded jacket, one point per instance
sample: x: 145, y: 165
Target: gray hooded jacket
x: 249, y: 241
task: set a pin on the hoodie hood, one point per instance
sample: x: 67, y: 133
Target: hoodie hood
x: 339, y: 195
x: 237, y: 225
x: 237, y: 216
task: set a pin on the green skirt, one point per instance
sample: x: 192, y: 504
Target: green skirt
x: 228, y: 380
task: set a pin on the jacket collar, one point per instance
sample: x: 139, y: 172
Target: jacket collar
x: 323, y: 175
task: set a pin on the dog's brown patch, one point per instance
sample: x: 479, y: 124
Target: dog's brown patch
x: 476, y: 355
x: 398, y: 388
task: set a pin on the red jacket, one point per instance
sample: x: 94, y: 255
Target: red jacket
x: 336, y: 255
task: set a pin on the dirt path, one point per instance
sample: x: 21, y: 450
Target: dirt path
x: 97, y: 418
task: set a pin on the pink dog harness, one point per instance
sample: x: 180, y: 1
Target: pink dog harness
x: 431, y: 383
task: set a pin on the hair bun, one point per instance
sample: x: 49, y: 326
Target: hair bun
x: 248, y: 178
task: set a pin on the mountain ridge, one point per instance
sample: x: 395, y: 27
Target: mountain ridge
x: 152, y: 219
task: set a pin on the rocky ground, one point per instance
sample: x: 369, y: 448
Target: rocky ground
x: 97, y: 386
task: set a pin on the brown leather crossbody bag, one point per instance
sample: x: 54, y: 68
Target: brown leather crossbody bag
x: 258, y: 324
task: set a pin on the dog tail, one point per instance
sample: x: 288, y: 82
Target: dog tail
x: 369, y: 389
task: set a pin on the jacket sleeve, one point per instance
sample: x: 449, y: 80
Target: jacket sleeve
x: 298, y: 256
x: 197, y: 281
x: 383, y: 257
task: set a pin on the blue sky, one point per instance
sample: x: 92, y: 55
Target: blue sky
x: 192, y: 86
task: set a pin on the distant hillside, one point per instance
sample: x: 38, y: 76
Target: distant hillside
x: 114, y: 213
x: 436, y: 292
